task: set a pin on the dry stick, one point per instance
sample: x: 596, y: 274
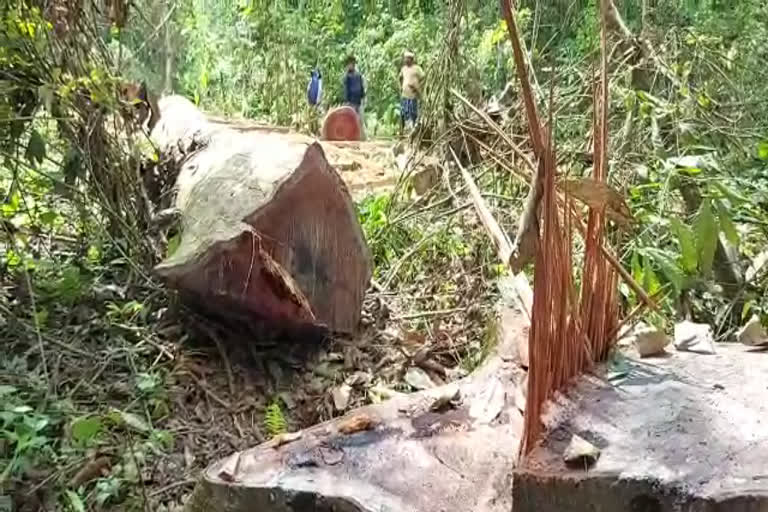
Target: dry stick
x: 495, y: 127
x: 207, y: 391
x: 499, y: 237
x: 222, y: 351
x: 521, y: 66
x: 626, y: 276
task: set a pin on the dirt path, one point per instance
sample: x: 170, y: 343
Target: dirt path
x: 367, y: 167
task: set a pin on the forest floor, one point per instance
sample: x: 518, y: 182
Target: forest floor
x: 124, y: 396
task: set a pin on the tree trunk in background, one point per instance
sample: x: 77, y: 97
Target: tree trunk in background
x: 268, y: 229
x: 169, y: 58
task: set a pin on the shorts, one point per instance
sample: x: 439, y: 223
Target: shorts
x: 409, y: 109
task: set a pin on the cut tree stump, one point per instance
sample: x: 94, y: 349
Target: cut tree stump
x: 342, y: 124
x: 268, y: 228
x: 449, y: 448
x: 680, y: 432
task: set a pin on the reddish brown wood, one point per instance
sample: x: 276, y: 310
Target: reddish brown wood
x: 342, y: 123
x: 268, y: 228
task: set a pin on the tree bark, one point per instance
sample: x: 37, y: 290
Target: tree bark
x: 268, y: 228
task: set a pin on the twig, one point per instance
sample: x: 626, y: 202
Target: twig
x: 208, y: 392
x: 174, y: 485
x: 396, y: 267
x: 157, y: 29
x: 223, y: 352
x: 424, y: 314
x: 499, y: 237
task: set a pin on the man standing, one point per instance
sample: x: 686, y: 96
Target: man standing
x: 315, y: 88
x: 411, y: 78
x: 354, y: 90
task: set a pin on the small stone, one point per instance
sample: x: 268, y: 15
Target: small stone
x: 753, y: 333
x: 418, y: 379
x: 693, y: 337
x: 581, y: 453
x: 650, y: 341
x: 341, y: 397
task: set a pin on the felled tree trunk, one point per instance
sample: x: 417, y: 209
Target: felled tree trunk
x: 268, y: 228
x: 450, y: 448
x: 342, y: 123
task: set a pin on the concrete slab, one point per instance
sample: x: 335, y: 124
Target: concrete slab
x: 686, y: 432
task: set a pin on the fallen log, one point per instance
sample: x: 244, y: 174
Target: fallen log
x: 268, y: 228
x: 449, y: 448
x: 342, y: 124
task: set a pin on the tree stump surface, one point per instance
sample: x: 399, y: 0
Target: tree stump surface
x: 341, y: 124
x: 268, y: 227
x: 406, y: 454
x: 680, y: 432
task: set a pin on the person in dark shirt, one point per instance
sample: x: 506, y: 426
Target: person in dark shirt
x: 354, y: 87
x: 354, y: 90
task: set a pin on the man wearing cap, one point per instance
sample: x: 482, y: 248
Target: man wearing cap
x: 411, y: 78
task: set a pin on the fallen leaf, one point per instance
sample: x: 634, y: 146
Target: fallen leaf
x: 600, y: 196
x: 285, y: 438
x: 753, y: 333
x: 447, y: 397
x: 94, y: 468
x: 341, y: 396
x: 418, y: 379
x: 693, y: 337
x: 581, y: 453
x: 650, y: 341
x: 357, y: 423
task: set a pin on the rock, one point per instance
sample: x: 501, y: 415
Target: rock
x: 693, y: 337
x: 649, y: 341
x: 753, y: 333
x: 341, y: 397
x: 418, y: 379
x: 426, y: 176
x: 581, y: 453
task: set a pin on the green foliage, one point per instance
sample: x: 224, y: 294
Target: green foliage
x: 706, y: 236
x: 274, y: 419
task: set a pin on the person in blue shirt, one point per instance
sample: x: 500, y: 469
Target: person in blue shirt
x: 315, y: 88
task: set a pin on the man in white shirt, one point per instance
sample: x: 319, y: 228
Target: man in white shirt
x: 411, y: 82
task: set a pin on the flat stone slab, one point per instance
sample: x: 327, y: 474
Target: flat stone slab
x: 686, y: 432
x: 433, y: 451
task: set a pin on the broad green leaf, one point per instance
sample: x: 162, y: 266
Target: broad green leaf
x: 637, y: 269
x: 706, y: 236
x: 745, y: 310
x: 35, y: 149
x: 48, y: 217
x: 733, y: 196
x: 668, y: 266
x: 726, y: 224
x: 650, y: 280
x: 687, y: 244
x: 74, y: 501
x: 762, y: 150
x: 173, y: 244
x: 86, y: 428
